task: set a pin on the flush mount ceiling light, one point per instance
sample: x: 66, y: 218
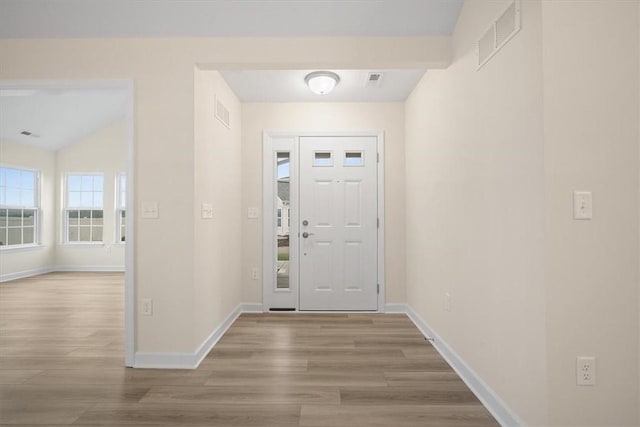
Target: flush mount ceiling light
x: 322, y: 82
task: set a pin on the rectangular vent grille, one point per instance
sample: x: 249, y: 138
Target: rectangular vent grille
x: 373, y: 80
x: 499, y: 33
x: 222, y: 113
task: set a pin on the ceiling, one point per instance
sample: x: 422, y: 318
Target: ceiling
x: 57, y: 117
x: 242, y: 18
x: 60, y: 117
x: 289, y: 86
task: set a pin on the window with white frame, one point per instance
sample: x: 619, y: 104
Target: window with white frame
x: 84, y: 213
x: 121, y: 214
x: 19, y: 207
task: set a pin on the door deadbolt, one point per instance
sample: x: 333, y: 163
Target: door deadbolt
x: 306, y: 235
x: 305, y: 222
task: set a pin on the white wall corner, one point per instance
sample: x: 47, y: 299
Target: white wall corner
x: 395, y: 308
x: 156, y: 360
x: 25, y: 274
x: 496, y: 406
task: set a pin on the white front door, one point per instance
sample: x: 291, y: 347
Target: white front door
x: 338, y: 223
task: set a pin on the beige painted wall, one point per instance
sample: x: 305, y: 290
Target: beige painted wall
x: 475, y: 208
x: 591, y: 143
x: 104, y: 151
x: 324, y: 117
x: 493, y: 157
x: 218, y: 181
x: 42, y: 257
x: 163, y: 74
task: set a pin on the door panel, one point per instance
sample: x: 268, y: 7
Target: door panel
x: 338, y: 199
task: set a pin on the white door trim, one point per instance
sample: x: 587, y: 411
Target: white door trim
x: 127, y: 87
x: 268, y: 208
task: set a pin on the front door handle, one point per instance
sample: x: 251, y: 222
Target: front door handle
x: 306, y: 235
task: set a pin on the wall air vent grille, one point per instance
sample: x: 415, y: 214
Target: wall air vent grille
x: 499, y: 33
x: 222, y: 113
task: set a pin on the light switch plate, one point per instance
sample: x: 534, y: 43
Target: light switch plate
x: 253, y: 213
x: 207, y: 211
x: 582, y: 205
x: 150, y: 210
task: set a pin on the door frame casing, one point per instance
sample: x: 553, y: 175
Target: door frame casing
x: 268, y: 209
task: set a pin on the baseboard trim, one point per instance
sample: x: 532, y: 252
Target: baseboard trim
x: 152, y: 360
x: 395, y: 308
x: 25, y: 274
x: 89, y: 268
x: 496, y: 406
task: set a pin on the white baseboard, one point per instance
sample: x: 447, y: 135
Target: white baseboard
x: 25, y: 274
x: 89, y: 268
x: 395, y: 308
x: 185, y: 360
x: 496, y: 406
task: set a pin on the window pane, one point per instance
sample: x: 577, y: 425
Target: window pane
x: 98, y: 182
x: 13, y: 178
x: 97, y: 218
x: 73, y: 234
x: 3, y: 177
x: 85, y: 218
x: 3, y: 195
x: 283, y: 183
x: 96, y: 235
x: 123, y: 233
x: 123, y: 217
x: 3, y: 218
x: 14, y: 218
x: 74, y: 199
x: 85, y: 234
x: 87, y: 183
x: 15, y: 236
x: 74, y: 182
x: 97, y: 200
x: 86, y: 199
x: 28, y: 217
x: 353, y: 159
x: 28, y: 198
x: 3, y: 236
x: 322, y: 159
x: 12, y: 197
x: 28, y: 235
x: 28, y: 180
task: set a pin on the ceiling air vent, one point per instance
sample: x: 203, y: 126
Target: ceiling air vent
x: 499, y: 33
x: 373, y: 80
x: 222, y: 113
x: 31, y: 134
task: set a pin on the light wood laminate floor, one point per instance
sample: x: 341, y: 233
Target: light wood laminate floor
x: 61, y: 363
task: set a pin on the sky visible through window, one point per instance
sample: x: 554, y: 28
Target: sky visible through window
x: 17, y: 187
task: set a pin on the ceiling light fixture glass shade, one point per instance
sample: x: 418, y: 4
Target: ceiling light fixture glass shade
x: 322, y: 82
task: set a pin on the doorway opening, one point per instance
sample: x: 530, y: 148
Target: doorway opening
x: 83, y: 207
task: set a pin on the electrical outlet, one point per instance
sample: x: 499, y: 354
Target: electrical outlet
x: 255, y: 274
x: 147, y: 306
x: 586, y: 370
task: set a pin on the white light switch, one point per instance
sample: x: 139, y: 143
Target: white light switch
x: 150, y: 210
x: 582, y: 205
x: 207, y: 211
x: 253, y: 213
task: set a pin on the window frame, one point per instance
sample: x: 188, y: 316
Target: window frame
x: 37, y: 208
x: 121, y: 200
x: 66, y: 209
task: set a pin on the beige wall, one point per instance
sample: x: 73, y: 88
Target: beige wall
x: 104, y: 151
x: 475, y: 208
x: 163, y: 74
x: 218, y: 181
x: 493, y: 157
x: 43, y: 257
x: 591, y: 143
x: 324, y: 117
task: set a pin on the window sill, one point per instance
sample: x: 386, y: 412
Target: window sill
x: 83, y: 244
x: 20, y: 248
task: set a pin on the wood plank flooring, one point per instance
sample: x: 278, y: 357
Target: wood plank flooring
x: 61, y: 363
